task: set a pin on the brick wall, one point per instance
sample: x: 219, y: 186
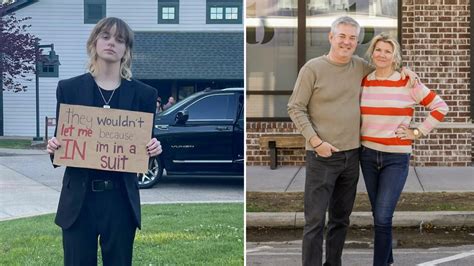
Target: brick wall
x: 257, y: 156
x: 436, y: 43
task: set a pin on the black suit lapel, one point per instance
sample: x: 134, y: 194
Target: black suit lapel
x: 127, y: 92
x: 85, y: 93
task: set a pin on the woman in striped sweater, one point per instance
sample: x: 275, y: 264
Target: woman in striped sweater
x: 387, y: 107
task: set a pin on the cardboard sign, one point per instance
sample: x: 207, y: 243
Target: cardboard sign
x: 105, y: 139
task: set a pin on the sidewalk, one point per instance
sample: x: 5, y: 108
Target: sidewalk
x: 30, y: 186
x: 420, y: 179
x: 21, y: 196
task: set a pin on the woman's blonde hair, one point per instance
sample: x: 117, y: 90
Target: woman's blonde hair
x: 122, y: 31
x: 397, y: 58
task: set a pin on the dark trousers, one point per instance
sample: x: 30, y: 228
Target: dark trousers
x: 105, y: 217
x: 385, y: 175
x: 330, y: 182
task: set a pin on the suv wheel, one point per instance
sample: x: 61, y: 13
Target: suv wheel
x: 153, y: 175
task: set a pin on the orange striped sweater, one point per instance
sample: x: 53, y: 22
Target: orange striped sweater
x: 387, y: 104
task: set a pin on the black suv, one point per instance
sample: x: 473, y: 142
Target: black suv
x: 200, y: 135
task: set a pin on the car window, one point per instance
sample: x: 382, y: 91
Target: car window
x: 241, y: 113
x: 178, y: 105
x: 212, y: 107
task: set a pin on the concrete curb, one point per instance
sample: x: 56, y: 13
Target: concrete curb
x: 400, y: 219
x: 7, y: 151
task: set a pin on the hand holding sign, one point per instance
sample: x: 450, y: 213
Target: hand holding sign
x: 105, y: 139
x: 154, y: 147
x: 53, y: 145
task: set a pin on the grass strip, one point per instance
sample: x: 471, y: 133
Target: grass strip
x: 426, y: 201
x: 172, y: 234
x: 15, y: 143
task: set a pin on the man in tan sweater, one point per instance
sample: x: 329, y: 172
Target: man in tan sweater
x: 325, y: 108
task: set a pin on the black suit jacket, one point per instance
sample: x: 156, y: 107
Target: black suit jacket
x: 134, y: 96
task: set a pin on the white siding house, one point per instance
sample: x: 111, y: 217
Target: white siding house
x: 61, y: 23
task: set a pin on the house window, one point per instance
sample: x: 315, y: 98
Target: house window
x: 217, y: 13
x: 231, y: 13
x: 168, y: 11
x: 224, y: 12
x: 94, y: 10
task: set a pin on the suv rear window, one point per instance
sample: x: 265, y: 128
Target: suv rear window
x: 213, y: 107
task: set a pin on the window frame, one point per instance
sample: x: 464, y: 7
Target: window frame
x: 230, y: 97
x: 168, y: 4
x: 224, y: 5
x: 301, y: 59
x: 87, y: 3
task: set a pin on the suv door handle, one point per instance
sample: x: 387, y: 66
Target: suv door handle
x: 162, y: 127
x: 222, y: 128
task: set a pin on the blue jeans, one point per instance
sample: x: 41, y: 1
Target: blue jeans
x: 385, y: 175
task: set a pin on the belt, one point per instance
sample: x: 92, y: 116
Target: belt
x: 103, y: 185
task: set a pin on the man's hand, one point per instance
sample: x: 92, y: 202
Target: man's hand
x: 325, y: 150
x: 53, y: 145
x: 412, y: 75
x: 154, y: 147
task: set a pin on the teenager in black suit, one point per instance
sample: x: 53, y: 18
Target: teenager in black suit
x: 96, y: 205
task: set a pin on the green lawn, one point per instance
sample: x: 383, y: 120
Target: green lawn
x: 15, y: 143
x: 173, y: 234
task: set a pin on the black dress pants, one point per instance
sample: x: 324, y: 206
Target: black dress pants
x: 106, y: 217
x: 331, y: 185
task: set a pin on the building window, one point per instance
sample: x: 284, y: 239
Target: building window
x: 94, y: 10
x: 224, y: 12
x: 375, y: 17
x: 168, y: 11
x: 275, y: 44
x: 231, y: 13
x: 217, y: 13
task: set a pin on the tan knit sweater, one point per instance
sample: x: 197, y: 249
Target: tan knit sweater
x: 325, y: 101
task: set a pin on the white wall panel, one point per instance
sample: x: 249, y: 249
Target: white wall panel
x: 62, y: 23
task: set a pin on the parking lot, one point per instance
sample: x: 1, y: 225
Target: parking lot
x: 288, y: 253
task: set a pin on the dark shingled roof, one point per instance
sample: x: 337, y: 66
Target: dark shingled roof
x: 188, y: 55
x: 17, y: 5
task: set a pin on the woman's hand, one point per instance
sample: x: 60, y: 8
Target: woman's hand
x: 154, y: 147
x: 405, y: 133
x: 53, y: 145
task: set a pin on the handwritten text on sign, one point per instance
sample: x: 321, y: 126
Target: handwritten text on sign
x: 105, y: 139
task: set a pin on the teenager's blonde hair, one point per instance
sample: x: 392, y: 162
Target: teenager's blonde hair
x: 123, y: 31
x: 397, y: 58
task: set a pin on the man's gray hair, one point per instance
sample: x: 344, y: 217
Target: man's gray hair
x: 345, y: 20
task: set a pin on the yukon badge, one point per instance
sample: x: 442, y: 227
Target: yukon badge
x: 182, y: 146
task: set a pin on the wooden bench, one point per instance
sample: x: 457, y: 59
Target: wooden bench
x: 273, y: 142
